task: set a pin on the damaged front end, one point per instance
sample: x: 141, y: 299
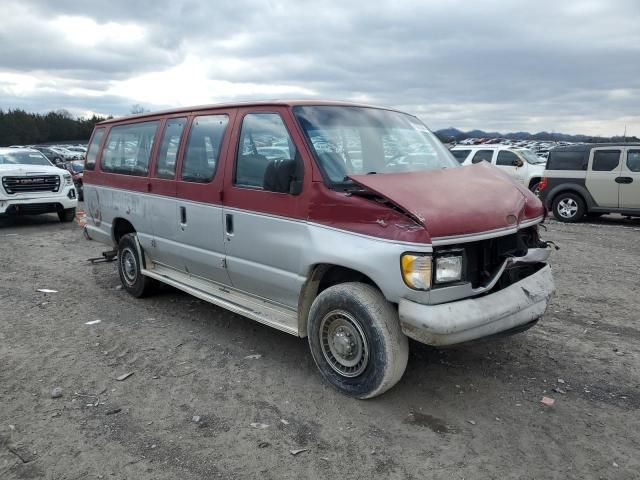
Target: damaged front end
x: 507, y: 286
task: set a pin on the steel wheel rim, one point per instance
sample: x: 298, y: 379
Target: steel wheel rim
x: 129, y: 266
x: 343, y: 343
x: 567, y: 208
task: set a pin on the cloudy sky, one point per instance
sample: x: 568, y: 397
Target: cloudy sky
x: 567, y: 66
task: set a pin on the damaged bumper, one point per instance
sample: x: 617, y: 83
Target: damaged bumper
x: 474, y: 318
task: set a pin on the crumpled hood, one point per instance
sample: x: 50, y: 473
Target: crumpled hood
x: 457, y: 201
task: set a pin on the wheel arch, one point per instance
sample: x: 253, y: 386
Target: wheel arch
x: 120, y: 227
x: 322, y: 276
x: 571, y: 188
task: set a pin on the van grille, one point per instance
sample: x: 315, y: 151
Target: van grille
x: 40, y: 183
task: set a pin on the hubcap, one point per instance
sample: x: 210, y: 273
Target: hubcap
x: 343, y: 343
x: 567, y: 207
x: 129, y: 266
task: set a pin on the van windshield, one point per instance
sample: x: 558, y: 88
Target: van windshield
x: 360, y: 140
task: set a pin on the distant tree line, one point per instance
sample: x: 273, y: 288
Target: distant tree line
x: 18, y: 127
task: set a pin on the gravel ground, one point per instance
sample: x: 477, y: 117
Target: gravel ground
x: 214, y: 395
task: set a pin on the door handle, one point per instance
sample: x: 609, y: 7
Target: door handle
x: 183, y: 216
x: 228, y: 222
x: 624, y: 180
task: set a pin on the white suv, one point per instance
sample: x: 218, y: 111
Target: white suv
x: 31, y: 185
x: 521, y: 163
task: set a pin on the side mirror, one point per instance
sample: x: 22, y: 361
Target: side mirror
x: 518, y: 162
x: 295, y: 187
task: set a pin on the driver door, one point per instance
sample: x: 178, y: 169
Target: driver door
x: 264, y: 212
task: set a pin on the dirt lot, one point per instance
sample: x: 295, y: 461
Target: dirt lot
x: 468, y: 412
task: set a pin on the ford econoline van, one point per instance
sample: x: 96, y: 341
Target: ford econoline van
x: 350, y: 225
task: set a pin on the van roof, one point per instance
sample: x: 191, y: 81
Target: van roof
x: 259, y: 103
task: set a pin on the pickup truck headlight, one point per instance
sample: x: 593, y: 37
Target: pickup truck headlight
x: 416, y: 270
x: 448, y: 268
x: 67, y: 179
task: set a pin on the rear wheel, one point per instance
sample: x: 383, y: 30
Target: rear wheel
x: 356, y: 340
x: 568, y: 207
x: 67, y: 215
x: 129, y: 265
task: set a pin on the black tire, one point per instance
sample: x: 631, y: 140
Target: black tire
x: 568, y: 207
x: 129, y: 262
x: 371, y: 323
x: 67, y: 215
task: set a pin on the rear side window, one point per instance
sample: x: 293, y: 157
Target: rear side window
x: 203, y: 148
x: 255, y: 166
x: 92, y: 152
x: 633, y: 160
x: 166, y: 165
x: 605, y: 160
x: 482, y: 155
x: 506, y: 158
x: 460, y: 155
x: 128, y: 148
x: 567, y: 160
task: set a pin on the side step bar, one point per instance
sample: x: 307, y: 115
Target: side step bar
x: 261, y: 311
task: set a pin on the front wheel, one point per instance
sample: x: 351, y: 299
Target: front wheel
x: 129, y: 265
x: 67, y: 215
x: 568, y: 207
x: 356, y: 341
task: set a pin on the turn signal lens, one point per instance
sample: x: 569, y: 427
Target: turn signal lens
x: 543, y: 184
x: 416, y: 271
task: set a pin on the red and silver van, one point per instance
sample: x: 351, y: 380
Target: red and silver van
x: 347, y: 224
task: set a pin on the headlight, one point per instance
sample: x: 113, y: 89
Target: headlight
x: 416, y: 270
x: 67, y: 179
x: 448, y: 269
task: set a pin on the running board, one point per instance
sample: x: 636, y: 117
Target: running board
x: 261, y: 311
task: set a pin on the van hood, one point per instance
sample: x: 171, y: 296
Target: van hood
x: 457, y: 201
x: 19, y: 170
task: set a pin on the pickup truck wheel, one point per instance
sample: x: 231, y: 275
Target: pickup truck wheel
x: 67, y: 215
x: 129, y: 264
x: 356, y: 341
x: 568, y: 207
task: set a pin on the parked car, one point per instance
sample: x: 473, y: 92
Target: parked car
x: 521, y: 163
x: 76, y: 170
x: 591, y: 180
x: 357, y: 257
x: 32, y: 185
x: 67, y: 154
x: 53, y: 155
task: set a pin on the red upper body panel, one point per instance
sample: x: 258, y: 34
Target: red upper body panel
x: 415, y: 207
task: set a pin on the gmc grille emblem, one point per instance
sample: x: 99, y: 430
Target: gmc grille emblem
x: 30, y: 180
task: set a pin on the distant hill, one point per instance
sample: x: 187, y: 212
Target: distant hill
x: 451, y: 133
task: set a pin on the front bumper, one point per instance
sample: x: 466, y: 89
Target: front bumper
x: 470, y: 319
x: 39, y: 203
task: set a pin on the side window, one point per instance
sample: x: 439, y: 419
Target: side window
x: 567, y: 160
x: 460, y: 155
x: 267, y: 157
x: 166, y: 165
x: 128, y: 148
x: 506, y: 158
x: 92, y: 152
x: 605, y: 160
x: 633, y: 160
x: 203, y: 148
x: 481, y: 155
